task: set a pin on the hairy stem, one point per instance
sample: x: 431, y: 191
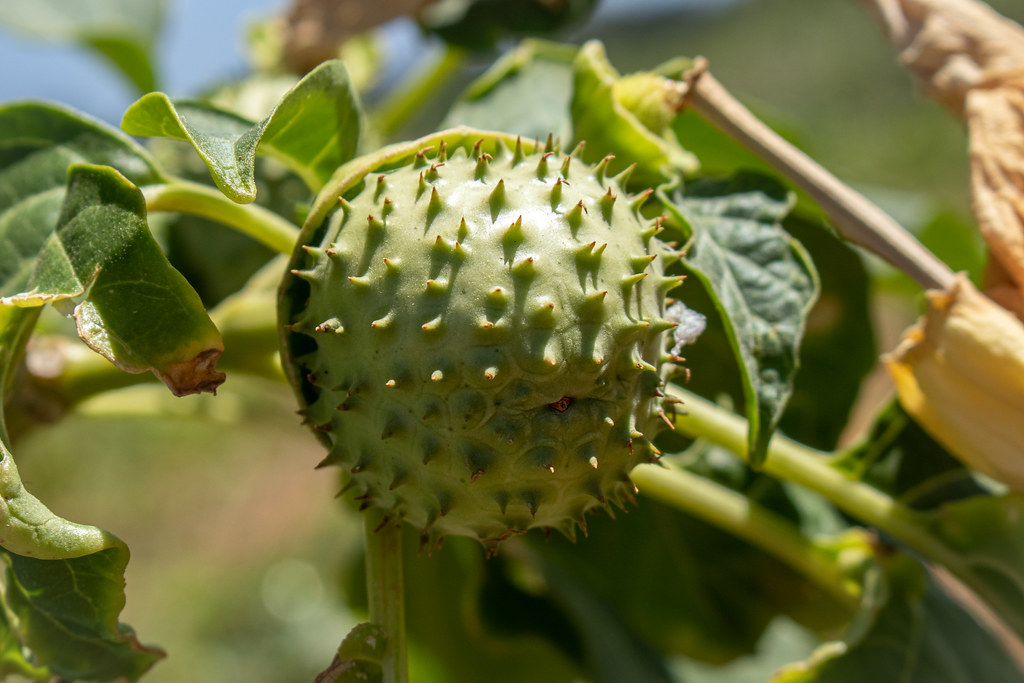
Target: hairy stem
x: 856, y: 218
x: 183, y: 196
x: 387, y: 593
x: 744, y: 518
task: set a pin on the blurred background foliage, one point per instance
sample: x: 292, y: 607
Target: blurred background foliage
x: 244, y: 569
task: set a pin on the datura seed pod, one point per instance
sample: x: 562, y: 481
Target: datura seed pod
x: 476, y: 330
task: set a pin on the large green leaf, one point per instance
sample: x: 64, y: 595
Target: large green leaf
x: 983, y: 539
x: 838, y: 348
x: 131, y: 306
x: 611, y: 651
x: 63, y: 592
x: 714, y: 592
x: 312, y: 130
x: 911, y: 632
x: 124, y: 32
x: 37, y: 144
x: 901, y: 459
x: 64, y: 588
x: 481, y: 24
x: 762, y: 281
x: 527, y: 92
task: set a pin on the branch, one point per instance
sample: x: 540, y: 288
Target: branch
x: 856, y: 218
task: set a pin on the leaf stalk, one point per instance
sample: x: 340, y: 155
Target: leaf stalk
x: 184, y: 196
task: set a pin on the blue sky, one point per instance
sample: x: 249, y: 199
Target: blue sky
x: 202, y: 44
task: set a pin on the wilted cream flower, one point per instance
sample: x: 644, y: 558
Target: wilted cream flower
x: 960, y: 373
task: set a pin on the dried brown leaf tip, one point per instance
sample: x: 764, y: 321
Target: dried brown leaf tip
x: 194, y: 376
x: 971, y: 59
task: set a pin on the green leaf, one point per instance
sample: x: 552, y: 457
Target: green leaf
x: 901, y: 459
x: 37, y: 144
x: 602, y: 120
x: 359, y: 657
x: 762, y: 281
x: 137, y: 310
x: 66, y: 613
x: 984, y: 543
x: 481, y: 24
x: 312, y: 130
x: 838, y: 348
x: 64, y: 588
x: 124, y: 32
x: 526, y: 92
x: 714, y: 594
x: 612, y: 652
x: 912, y: 632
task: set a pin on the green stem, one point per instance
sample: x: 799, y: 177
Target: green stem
x: 183, y: 196
x: 809, y: 468
x: 387, y: 593
x: 746, y: 519
x: 411, y: 96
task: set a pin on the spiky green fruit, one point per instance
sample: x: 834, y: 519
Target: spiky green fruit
x: 476, y: 331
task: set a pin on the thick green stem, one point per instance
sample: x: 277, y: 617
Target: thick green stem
x: 809, y: 468
x: 386, y: 593
x: 183, y: 196
x: 744, y: 518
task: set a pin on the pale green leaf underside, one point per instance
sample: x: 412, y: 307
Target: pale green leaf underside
x: 313, y: 130
x: 761, y: 280
x: 121, y: 31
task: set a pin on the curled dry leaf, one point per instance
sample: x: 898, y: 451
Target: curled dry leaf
x: 971, y: 59
x: 960, y: 373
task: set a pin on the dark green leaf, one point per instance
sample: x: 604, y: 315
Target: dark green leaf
x: 527, y: 92
x: 64, y: 589
x: 762, y: 281
x: 601, y: 119
x: 714, y: 593
x: 137, y: 310
x: 313, y: 130
x: 37, y: 144
x: 901, y: 459
x: 122, y: 31
x: 463, y: 619
x: 911, y: 632
x: 359, y: 657
x: 984, y: 547
x: 611, y: 651
x: 67, y: 610
x: 481, y: 24
x: 838, y: 349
